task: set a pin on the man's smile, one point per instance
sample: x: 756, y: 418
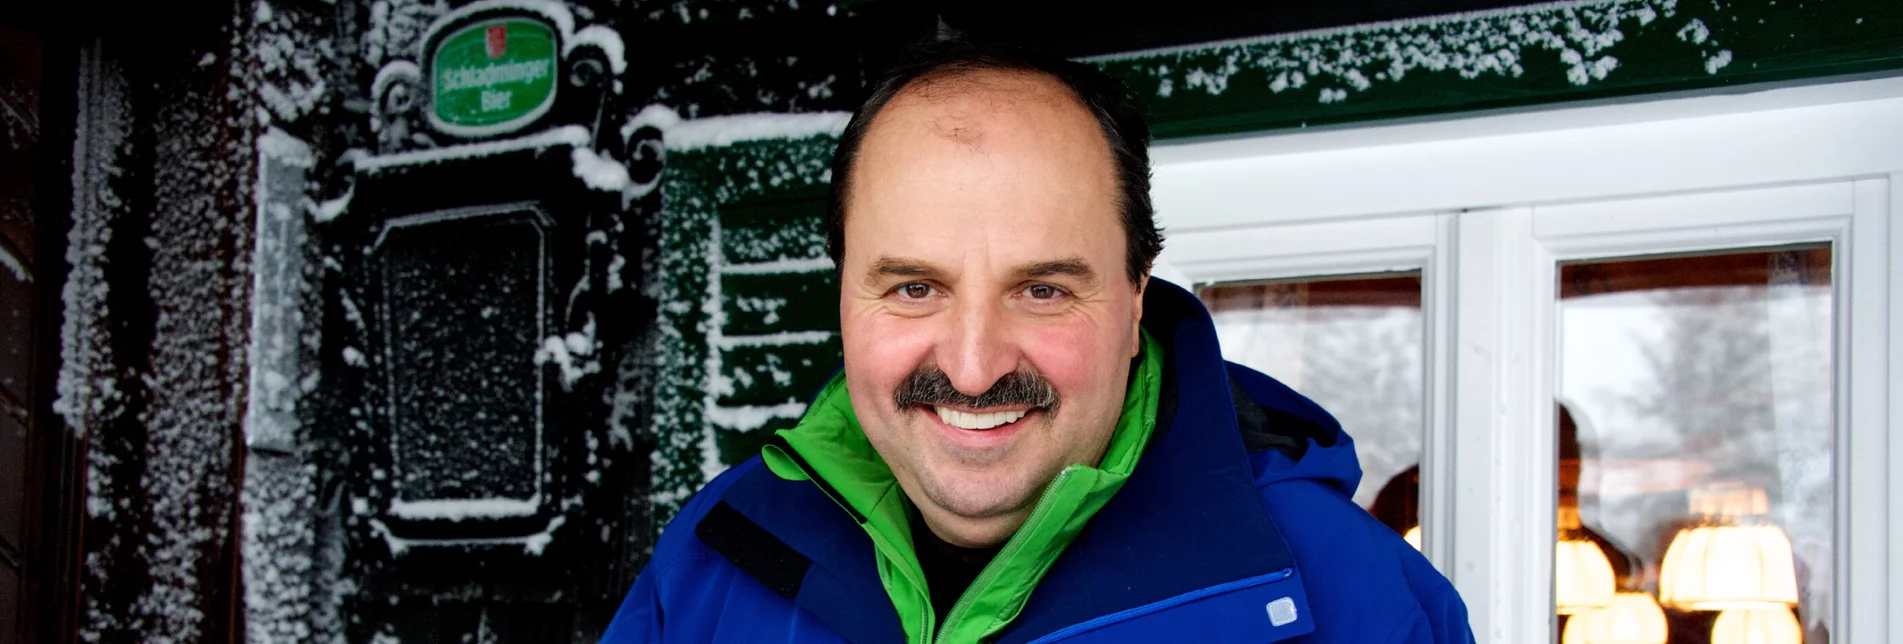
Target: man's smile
x: 977, y: 420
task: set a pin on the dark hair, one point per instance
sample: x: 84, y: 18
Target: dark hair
x: 1105, y: 98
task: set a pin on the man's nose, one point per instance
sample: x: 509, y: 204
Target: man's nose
x: 977, y: 349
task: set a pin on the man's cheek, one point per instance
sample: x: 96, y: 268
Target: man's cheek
x: 1067, y: 354
x: 881, y: 351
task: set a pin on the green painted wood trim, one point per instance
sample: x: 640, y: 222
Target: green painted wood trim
x: 1534, y: 55
x: 698, y: 186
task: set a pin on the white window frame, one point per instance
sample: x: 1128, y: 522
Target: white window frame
x: 1486, y: 206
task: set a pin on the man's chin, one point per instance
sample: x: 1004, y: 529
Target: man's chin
x: 979, y: 500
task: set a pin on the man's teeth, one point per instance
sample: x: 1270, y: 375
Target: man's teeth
x: 967, y: 420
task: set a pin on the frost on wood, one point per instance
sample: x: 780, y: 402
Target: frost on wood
x: 278, y: 287
x: 88, y: 381
x: 396, y: 28
x: 161, y: 470
x: 91, y: 399
x: 288, y: 64
x: 1579, y: 39
x: 701, y: 350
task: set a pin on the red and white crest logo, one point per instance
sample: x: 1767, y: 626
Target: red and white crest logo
x: 498, y: 40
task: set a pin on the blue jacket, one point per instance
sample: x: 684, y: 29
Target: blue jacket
x: 1236, y: 526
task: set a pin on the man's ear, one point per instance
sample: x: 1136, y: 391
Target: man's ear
x: 1136, y: 323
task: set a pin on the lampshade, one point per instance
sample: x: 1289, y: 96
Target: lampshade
x: 1413, y: 537
x: 1735, y: 559
x: 1760, y: 626
x: 1582, y: 577
x: 1633, y: 617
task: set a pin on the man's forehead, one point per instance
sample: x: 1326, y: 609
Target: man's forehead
x: 965, y: 105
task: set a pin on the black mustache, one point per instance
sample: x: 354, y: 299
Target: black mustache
x: 930, y: 386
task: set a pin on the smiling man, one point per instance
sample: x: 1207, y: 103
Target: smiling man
x: 1031, y: 440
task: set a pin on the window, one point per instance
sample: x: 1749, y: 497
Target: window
x: 1677, y: 311
x: 1695, y: 447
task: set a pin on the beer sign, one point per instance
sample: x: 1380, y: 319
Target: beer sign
x: 493, y: 76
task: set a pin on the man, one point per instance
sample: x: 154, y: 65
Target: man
x: 1031, y: 439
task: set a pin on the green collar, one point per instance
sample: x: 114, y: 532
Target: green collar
x: 836, y: 451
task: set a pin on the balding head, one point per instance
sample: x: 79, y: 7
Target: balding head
x: 968, y: 81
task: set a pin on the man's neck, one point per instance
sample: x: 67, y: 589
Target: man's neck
x: 949, y: 568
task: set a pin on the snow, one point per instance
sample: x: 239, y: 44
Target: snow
x: 573, y: 354
x: 810, y: 265
x: 285, y: 64
x: 88, y: 392
x: 1339, y: 63
x: 394, y: 71
x: 781, y: 339
x: 599, y: 171
x: 330, y: 209
x: 1718, y: 61
x: 751, y: 417
x: 721, y: 131
x: 461, y: 509
x: 532, y: 544
x: 1694, y: 32
x: 14, y: 266
x: 574, y: 135
x: 659, y: 116
x: 276, y: 144
x: 608, y: 40
x: 277, y: 288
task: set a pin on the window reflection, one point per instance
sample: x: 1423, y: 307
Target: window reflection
x: 1353, y: 345
x: 1695, y: 443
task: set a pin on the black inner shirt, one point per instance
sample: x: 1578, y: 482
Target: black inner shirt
x: 949, y: 569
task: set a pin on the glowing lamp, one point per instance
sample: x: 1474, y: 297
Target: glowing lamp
x: 1734, y: 559
x: 1760, y: 626
x: 1582, y: 576
x: 1413, y: 537
x: 1633, y: 617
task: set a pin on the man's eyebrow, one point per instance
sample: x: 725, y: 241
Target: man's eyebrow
x: 1069, y: 267
x: 898, y: 267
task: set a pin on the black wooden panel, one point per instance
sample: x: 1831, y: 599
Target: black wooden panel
x: 462, y: 317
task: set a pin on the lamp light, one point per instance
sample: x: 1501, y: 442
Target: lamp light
x: 1582, y: 576
x: 1759, y: 626
x: 1413, y: 537
x: 1735, y: 558
x: 1633, y: 617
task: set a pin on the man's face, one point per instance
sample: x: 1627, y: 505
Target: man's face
x: 983, y: 244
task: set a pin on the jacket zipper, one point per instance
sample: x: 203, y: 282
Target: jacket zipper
x: 1010, y: 550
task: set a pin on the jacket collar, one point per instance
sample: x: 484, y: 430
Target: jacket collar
x: 1187, y: 520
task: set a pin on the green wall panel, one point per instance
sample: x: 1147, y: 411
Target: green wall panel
x: 1524, y: 56
x: 774, y: 302
x: 749, y: 316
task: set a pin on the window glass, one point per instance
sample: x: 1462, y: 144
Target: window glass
x: 1695, y: 441
x: 1353, y: 345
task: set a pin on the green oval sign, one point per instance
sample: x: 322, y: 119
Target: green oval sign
x: 492, y: 77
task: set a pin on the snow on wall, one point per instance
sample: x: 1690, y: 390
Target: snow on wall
x: 1334, y: 65
x: 713, y: 164
x: 287, y: 75
x: 279, y: 519
x: 91, y: 398
x: 721, y: 131
x: 200, y: 280
x: 88, y: 383
x: 396, y: 28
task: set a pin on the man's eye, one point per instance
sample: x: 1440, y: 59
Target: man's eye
x: 915, y: 291
x: 1043, y: 291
